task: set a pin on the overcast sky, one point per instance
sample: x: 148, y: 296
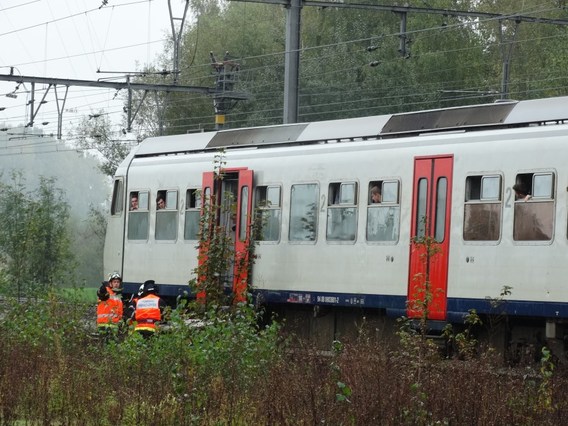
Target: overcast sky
x: 72, y: 39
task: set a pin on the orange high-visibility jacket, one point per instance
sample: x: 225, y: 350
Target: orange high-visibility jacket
x: 147, y: 313
x: 109, y: 312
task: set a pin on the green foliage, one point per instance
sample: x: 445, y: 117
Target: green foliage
x: 79, y: 295
x: 464, y: 341
x: 34, y: 241
x: 444, y: 61
x: 46, y: 322
x: 94, y: 133
x: 225, y: 370
x: 216, y: 247
x: 545, y: 389
x: 422, y: 299
x: 220, y: 266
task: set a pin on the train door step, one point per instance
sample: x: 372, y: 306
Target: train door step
x: 433, y: 329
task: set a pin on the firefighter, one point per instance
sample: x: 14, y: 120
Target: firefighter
x: 130, y: 308
x: 149, y: 310
x: 110, y: 306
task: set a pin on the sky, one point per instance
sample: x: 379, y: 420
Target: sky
x: 72, y: 39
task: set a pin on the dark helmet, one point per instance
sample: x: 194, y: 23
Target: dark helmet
x: 150, y: 287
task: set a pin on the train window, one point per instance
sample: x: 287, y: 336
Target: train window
x: 133, y: 200
x: 138, y: 215
x: 421, y: 208
x: 166, y: 215
x: 542, y: 185
x: 270, y: 211
x: 342, y: 211
x: 117, y: 198
x: 534, y: 215
x: 192, y: 214
x: 244, y: 213
x: 383, y: 211
x: 482, y: 210
x: 490, y: 188
x: 441, y: 198
x: 207, y: 197
x: 303, y: 212
x: 342, y: 193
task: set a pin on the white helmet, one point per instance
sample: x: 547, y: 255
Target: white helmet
x: 114, y: 276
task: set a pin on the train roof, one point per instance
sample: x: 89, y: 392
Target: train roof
x: 467, y: 118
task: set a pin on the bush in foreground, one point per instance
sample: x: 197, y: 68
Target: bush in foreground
x: 228, y: 371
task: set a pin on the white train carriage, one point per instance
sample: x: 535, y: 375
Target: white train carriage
x: 448, y: 173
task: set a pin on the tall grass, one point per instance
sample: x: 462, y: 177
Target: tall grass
x: 230, y: 371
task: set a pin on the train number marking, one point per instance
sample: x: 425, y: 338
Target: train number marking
x: 508, y: 196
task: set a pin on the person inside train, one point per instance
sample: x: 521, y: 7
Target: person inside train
x: 134, y: 201
x: 160, y: 202
x: 521, y: 193
x: 375, y: 194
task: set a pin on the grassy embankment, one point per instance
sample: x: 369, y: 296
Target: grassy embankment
x: 230, y: 373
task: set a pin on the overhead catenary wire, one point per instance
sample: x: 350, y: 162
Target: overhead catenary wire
x: 324, y: 74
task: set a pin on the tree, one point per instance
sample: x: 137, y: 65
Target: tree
x: 34, y: 241
x: 443, y: 60
x: 95, y: 133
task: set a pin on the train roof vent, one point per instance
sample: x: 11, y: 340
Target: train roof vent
x: 539, y: 111
x: 448, y: 119
x: 257, y: 136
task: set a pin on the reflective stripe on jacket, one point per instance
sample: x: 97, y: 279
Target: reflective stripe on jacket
x: 147, y: 313
x: 109, y: 312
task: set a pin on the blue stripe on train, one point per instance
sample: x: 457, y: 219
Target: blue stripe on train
x: 394, y: 306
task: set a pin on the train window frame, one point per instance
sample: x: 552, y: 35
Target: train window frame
x: 166, y: 221
x: 528, y: 212
x: 192, y: 213
x: 481, y: 198
x: 269, y: 208
x: 244, y: 212
x: 314, y: 211
x: 138, y: 229
x: 117, y: 204
x: 440, y: 209
x: 384, y: 213
x: 342, y: 209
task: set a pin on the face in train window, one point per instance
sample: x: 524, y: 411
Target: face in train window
x: 192, y: 214
x: 534, y: 206
x: 133, y: 200
x: 166, y: 215
x: 138, y: 215
x: 383, y: 211
x: 268, y: 206
x: 483, y: 208
x: 166, y: 200
x: 342, y: 211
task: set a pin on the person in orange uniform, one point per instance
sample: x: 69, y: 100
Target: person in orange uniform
x: 149, y: 310
x: 110, y: 307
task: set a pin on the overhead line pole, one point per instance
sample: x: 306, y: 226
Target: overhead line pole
x: 292, y: 62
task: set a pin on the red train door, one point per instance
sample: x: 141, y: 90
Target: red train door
x: 232, y: 196
x: 430, y: 232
